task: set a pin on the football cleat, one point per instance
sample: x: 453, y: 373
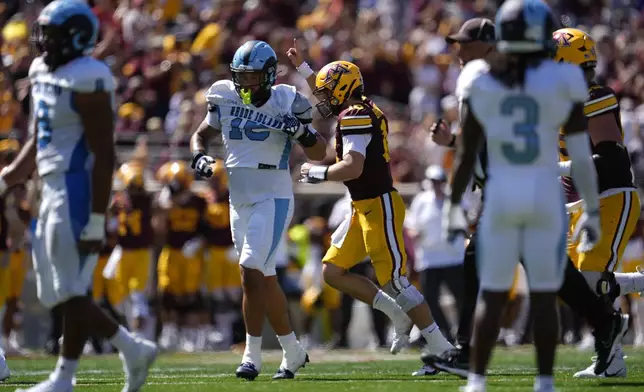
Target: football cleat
x: 450, y: 362
x: 285, y: 372
x: 617, y: 368
x: 136, y: 369
x: 426, y: 370
x: 247, y: 371
x: 606, y: 346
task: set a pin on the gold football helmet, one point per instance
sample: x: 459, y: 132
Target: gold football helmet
x: 576, y: 47
x: 334, y: 84
x: 176, y: 175
x: 131, y: 175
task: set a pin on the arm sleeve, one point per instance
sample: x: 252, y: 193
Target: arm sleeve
x: 583, y: 169
x: 302, y: 109
x: 213, y: 116
x: 357, y: 143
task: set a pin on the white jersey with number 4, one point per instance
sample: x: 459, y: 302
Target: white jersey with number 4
x: 61, y: 140
x: 524, y: 211
x: 257, y: 150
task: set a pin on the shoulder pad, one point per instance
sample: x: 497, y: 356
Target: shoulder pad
x: 88, y: 75
x: 468, y: 76
x: 302, y: 109
x: 222, y: 91
x: 284, y: 94
x: 601, y: 99
x: 354, y: 120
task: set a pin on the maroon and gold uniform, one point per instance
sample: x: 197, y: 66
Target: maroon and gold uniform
x: 374, y: 228
x: 178, y: 274
x: 619, y: 203
x: 134, y: 235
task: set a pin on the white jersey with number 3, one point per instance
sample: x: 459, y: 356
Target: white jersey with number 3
x: 257, y: 150
x: 524, y: 208
x: 61, y: 142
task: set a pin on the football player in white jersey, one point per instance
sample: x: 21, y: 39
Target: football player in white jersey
x: 518, y: 102
x: 259, y: 123
x: 72, y: 148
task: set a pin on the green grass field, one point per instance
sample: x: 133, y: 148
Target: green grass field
x: 329, y: 371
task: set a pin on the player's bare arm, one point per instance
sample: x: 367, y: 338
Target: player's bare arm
x: 199, y: 143
x: 21, y: 167
x: 97, y: 116
x: 467, y: 146
x: 349, y: 168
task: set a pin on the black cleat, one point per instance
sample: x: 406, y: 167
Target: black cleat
x: 247, y: 371
x: 285, y: 374
x: 452, y: 362
x: 606, y: 343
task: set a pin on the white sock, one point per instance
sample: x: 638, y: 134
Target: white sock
x: 630, y: 282
x: 387, y: 305
x: 289, y: 343
x: 475, y: 380
x: 124, y: 342
x: 638, y: 323
x: 65, y: 369
x: 543, y: 382
x: 436, y: 342
x: 253, y: 351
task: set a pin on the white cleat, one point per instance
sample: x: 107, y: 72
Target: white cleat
x: 136, y: 369
x: 50, y: 385
x: 425, y: 371
x: 402, y: 328
x: 290, y: 365
x: 617, y: 368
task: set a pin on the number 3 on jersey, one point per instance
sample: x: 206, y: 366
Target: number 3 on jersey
x: 250, y: 128
x: 43, y: 124
x: 526, y: 129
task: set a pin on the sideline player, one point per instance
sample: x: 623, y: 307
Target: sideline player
x: 181, y: 211
x: 15, y: 219
x: 259, y: 123
x: 223, y: 281
x: 72, y: 147
x: 375, y: 225
x: 133, y: 211
x: 516, y: 103
x: 619, y: 205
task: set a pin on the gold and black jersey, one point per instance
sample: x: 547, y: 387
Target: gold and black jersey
x: 601, y: 101
x: 366, y: 118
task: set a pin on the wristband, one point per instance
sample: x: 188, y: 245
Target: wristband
x: 308, y: 139
x: 318, y: 172
x: 305, y: 69
x: 195, y: 157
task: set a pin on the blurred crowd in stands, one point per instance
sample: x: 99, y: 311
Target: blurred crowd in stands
x: 166, y: 53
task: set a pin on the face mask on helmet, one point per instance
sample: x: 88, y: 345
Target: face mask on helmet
x: 60, y: 44
x: 253, y: 87
x: 327, y: 103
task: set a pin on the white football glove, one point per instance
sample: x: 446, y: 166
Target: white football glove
x: 454, y: 222
x: 191, y: 247
x: 201, y: 163
x: 588, y: 231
